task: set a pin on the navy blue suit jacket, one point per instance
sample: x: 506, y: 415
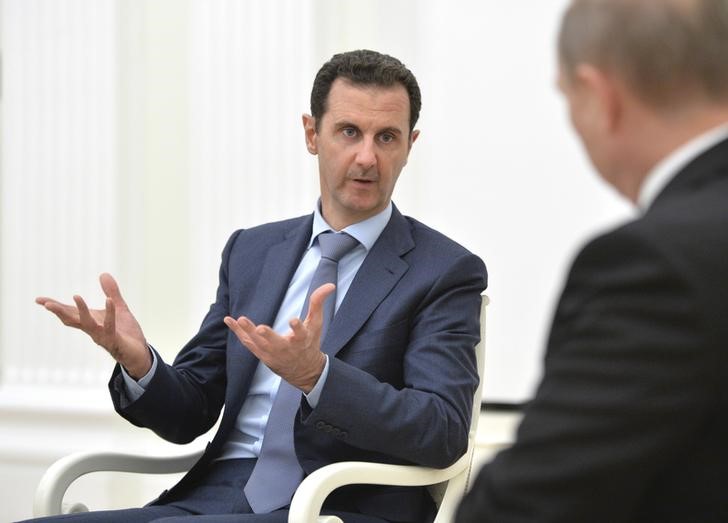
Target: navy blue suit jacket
x: 399, y: 389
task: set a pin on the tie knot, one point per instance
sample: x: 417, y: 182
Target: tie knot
x: 335, y: 245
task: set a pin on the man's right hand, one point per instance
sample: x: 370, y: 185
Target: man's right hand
x: 114, y: 328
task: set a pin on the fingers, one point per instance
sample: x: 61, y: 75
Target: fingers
x: 261, y: 340
x: 100, y: 325
x: 68, y: 314
x: 234, y: 326
x: 316, y: 302
x: 88, y: 324
x: 295, y: 356
x: 299, y: 332
x: 249, y: 333
x: 111, y: 288
x: 45, y: 302
x: 110, y: 318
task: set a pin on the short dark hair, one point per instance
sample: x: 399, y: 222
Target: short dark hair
x: 665, y: 50
x: 364, y: 67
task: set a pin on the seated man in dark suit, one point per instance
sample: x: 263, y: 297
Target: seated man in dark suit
x: 629, y: 422
x: 389, y: 377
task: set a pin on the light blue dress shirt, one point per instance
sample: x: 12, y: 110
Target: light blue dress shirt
x: 246, y: 439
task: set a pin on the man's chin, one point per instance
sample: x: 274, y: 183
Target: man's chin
x: 359, y: 211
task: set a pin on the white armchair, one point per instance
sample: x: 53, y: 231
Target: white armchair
x: 446, y: 485
x: 48, y: 500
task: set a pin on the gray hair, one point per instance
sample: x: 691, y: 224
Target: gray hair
x: 664, y: 50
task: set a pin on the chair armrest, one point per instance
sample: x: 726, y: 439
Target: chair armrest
x: 60, y: 475
x: 311, y: 493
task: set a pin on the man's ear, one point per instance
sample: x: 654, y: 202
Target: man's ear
x: 604, y: 94
x: 413, y: 137
x: 309, y: 129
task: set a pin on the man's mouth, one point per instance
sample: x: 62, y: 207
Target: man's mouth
x: 366, y: 180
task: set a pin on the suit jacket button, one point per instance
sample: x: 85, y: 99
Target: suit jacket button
x: 336, y: 432
x: 342, y: 434
x: 320, y: 425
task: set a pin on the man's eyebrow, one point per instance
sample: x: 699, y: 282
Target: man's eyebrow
x: 388, y: 129
x: 393, y: 130
x: 345, y: 123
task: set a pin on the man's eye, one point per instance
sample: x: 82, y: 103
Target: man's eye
x: 349, y: 132
x: 387, y: 137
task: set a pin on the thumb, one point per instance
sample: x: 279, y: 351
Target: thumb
x: 111, y: 288
x: 317, y: 299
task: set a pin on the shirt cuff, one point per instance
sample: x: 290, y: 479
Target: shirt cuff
x: 313, y: 397
x: 134, y: 388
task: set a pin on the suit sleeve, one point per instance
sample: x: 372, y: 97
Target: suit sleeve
x: 628, y: 378
x: 184, y: 400
x: 425, y: 418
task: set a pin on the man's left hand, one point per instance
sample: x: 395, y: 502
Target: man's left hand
x: 295, y: 356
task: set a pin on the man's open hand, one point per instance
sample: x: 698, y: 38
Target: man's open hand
x: 295, y: 356
x: 114, y: 327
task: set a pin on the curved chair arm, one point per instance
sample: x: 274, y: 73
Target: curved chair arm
x: 311, y: 493
x: 59, y: 476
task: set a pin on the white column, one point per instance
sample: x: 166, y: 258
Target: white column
x: 59, y: 212
x: 250, y: 79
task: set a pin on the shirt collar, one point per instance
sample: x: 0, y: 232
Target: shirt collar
x: 366, y: 232
x: 668, y: 167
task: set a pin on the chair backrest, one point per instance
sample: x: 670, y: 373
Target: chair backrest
x: 448, y: 494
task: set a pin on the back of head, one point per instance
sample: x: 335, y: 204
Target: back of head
x: 364, y: 67
x: 668, y: 52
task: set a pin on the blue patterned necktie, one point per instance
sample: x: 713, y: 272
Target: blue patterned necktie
x: 277, y: 472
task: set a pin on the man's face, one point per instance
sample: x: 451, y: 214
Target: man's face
x: 362, y: 142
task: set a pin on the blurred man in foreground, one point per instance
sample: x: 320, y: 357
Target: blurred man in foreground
x: 629, y: 423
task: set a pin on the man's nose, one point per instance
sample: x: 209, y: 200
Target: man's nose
x: 366, y: 156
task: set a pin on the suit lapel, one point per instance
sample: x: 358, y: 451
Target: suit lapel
x: 379, y: 273
x: 279, y: 265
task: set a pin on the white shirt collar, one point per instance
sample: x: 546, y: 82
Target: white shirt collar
x: 367, y: 232
x: 668, y: 167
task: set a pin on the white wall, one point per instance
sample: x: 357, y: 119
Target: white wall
x: 137, y: 135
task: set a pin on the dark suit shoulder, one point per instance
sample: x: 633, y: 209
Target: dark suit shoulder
x: 688, y: 218
x: 685, y: 232
x: 675, y: 253
x: 435, y: 241
x: 442, y: 257
x: 268, y: 233
x: 694, y: 217
x: 278, y: 227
